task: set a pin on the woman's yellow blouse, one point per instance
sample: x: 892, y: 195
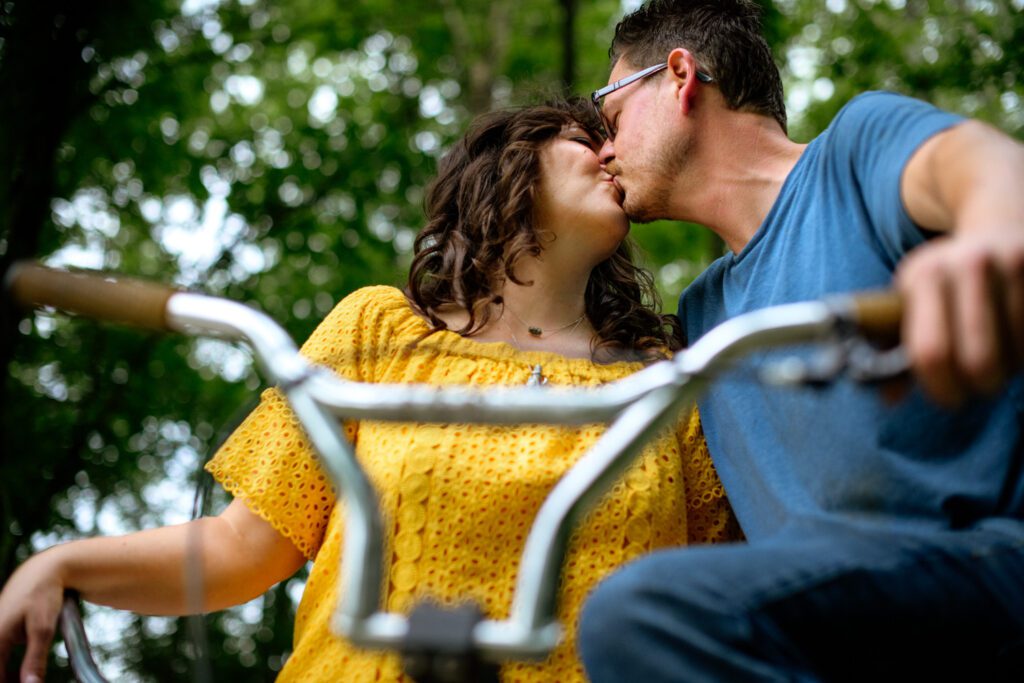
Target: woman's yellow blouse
x: 458, y: 499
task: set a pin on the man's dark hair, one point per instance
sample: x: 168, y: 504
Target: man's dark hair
x: 724, y: 37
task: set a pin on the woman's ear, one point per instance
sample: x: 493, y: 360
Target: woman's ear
x: 683, y: 68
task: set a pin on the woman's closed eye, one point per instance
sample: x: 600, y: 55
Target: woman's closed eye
x: 583, y: 140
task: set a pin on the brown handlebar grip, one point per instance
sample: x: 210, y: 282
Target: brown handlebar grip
x: 877, y: 314
x: 90, y: 294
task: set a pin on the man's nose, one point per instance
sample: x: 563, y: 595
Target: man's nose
x: 606, y: 153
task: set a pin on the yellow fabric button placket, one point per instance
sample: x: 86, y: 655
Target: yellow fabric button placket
x: 411, y: 517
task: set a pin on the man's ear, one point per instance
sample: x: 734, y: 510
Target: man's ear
x: 683, y: 69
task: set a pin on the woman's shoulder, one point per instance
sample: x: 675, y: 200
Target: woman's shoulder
x: 379, y: 296
x: 377, y: 316
x: 376, y: 304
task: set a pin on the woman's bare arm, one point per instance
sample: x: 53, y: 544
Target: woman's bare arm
x: 241, y: 555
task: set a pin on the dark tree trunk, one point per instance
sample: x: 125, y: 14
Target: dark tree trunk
x: 42, y: 74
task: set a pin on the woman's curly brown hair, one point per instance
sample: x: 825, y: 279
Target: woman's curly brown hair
x: 480, y: 222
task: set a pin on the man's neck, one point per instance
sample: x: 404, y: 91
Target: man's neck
x: 742, y: 167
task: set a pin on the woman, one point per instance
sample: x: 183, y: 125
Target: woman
x: 521, y: 274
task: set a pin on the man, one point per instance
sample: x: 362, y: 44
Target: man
x: 884, y: 541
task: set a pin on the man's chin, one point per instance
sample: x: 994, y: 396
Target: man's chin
x: 640, y: 218
x: 638, y: 214
x: 641, y: 207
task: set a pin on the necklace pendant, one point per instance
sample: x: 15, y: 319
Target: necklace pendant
x: 535, y: 331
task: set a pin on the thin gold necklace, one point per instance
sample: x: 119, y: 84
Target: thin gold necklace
x: 539, y: 332
x: 515, y: 339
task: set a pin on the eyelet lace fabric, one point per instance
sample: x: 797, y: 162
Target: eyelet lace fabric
x: 458, y: 500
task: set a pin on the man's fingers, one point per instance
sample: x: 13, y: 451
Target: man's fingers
x: 964, y: 316
x: 928, y: 332
x: 1012, y: 272
x: 978, y: 324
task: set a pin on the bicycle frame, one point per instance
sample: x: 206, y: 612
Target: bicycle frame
x: 636, y: 408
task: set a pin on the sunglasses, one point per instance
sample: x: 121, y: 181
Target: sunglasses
x: 597, y: 97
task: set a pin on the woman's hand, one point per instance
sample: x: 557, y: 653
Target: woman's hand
x: 29, y: 608
x: 240, y: 554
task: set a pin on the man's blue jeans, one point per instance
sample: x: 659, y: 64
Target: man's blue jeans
x: 814, y: 604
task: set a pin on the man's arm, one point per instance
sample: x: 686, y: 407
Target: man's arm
x: 964, y: 292
x: 241, y: 556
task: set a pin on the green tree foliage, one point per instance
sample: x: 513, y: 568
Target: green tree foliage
x: 276, y: 153
x: 966, y: 56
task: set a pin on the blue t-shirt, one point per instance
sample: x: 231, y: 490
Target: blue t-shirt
x: 841, y: 453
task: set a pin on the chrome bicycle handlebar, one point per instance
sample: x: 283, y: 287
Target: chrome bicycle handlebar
x: 636, y: 407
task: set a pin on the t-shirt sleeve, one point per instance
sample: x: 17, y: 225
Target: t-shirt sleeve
x: 268, y: 462
x: 701, y: 304
x: 873, y: 137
